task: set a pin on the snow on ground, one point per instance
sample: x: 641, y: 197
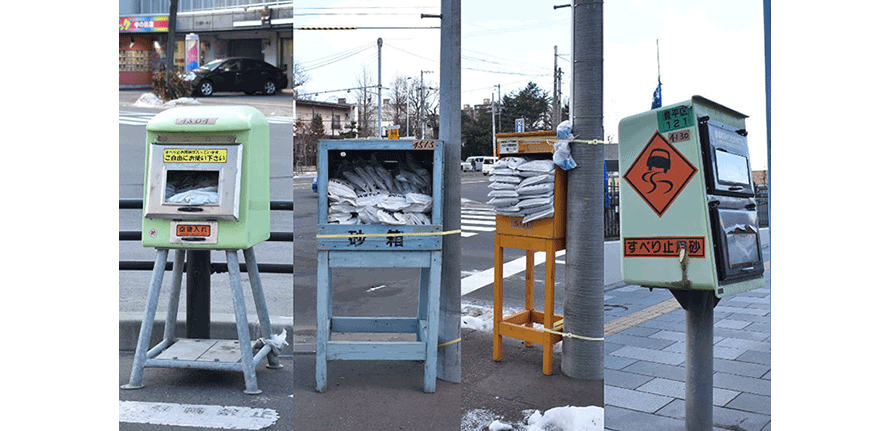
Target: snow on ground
x: 149, y: 100
x: 567, y: 418
x: 481, y: 318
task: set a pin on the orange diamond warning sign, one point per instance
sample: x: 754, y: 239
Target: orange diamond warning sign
x: 659, y: 173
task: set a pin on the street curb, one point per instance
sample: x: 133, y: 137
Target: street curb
x: 222, y: 326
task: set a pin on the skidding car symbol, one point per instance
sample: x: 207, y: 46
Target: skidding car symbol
x: 657, y: 160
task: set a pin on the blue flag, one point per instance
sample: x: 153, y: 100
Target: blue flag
x: 656, y: 96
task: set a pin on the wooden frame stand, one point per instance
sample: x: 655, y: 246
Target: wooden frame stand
x: 521, y: 325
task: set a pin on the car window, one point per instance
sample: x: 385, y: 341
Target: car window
x: 250, y: 64
x: 232, y: 65
x: 213, y: 64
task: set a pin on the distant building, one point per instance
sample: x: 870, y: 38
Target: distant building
x: 335, y: 116
x: 225, y: 28
x: 760, y: 177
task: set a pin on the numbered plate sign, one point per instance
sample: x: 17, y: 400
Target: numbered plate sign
x: 678, y: 117
x: 423, y: 145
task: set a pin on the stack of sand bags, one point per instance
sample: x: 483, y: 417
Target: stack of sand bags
x: 365, y: 192
x: 522, y: 188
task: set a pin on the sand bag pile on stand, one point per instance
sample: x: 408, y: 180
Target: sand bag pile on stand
x: 365, y: 192
x: 522, y: 188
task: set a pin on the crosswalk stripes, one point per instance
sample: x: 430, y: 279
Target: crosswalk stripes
x: 476, y: 220
x: 142, y: 118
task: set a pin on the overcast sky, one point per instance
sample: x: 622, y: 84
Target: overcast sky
x: 707, y: 48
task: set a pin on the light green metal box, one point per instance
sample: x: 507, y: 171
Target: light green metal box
x: 206, y: 178
x: 688, y: 214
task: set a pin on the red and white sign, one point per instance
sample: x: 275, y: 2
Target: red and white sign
x: 659, y: 173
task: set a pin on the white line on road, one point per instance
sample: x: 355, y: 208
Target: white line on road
x: 477, y: 228
x: 196, y: 415
x: 479, y: 220
x: 484, y: 278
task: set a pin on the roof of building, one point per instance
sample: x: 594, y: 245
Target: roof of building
x: 302, y: 102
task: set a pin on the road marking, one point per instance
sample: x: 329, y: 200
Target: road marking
x: 479, y: 220
x: 484, y: 278
x: 196, y: 415
x: 474, y: 221
x: 476, y: 228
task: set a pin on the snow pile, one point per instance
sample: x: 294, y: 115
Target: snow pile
x: 477, y: 419
x: 479, y: 318
x: 499, y: 426
x: 568, y: 418
x: 149, y: 100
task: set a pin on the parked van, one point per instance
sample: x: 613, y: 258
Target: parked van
x: 473, y: 163
x: 488, y: 164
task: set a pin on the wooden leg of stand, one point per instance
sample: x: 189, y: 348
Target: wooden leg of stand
x: 498, y: 297
x: 549, y: 287
x: 529, y: 287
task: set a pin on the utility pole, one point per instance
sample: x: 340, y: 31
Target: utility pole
x: 556, y: 111
x: 583, y: 358
x: 448, y: 366
x: 499, y: 107
x: 379, y: 87
x: 494, y: 139
x: 171, y: 44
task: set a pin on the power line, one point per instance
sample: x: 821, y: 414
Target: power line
x: 326, y: 61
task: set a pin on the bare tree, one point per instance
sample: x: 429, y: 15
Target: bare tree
x: 399, y: 91
x: 363, y: 101
x: 424, y: 106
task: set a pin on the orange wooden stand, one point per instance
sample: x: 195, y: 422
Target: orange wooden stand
x: 520, y: 325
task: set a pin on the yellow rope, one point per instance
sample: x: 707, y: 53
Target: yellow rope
x: 366, y: 235
x: 450, y: 342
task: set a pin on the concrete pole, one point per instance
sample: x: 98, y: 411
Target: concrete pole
x: 700, y: 361
x: 448, y: 367
x: 583, y: 313
x: 555, y: 117
x: 379, y: 86
x: 494, y: 139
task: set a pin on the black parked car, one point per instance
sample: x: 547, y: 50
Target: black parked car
x: 238, y: 74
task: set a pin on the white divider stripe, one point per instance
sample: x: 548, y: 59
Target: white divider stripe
x: 196, y: 415
x: 484, y: 278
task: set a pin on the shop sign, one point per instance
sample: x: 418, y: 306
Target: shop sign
x: 142, y: 24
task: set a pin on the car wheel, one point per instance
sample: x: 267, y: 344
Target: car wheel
x: 205, y: 88
x: 269, y: 88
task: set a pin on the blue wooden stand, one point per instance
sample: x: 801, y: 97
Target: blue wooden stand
x: 379, y: 246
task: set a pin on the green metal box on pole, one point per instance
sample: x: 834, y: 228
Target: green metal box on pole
x: 687, y: 186
x: 207, y: 178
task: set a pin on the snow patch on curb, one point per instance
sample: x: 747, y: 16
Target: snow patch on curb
x: 149, y: 100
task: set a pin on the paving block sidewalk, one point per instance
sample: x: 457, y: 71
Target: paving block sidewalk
x: 645, y: 362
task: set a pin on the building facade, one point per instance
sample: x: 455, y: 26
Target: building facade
x: 224, y: 28
x: 336, y: 117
